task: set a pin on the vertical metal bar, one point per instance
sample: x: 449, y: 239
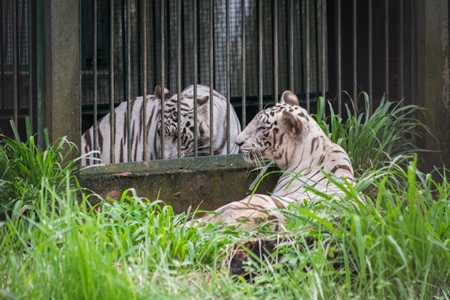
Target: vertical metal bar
x: 179, y: 22
x: 228, y: 74
x: 324, y: 50
x: 370, y: 58
x: 15, y: 12
x: 275, y: 50
x: 211, y: 77
x: 195, y: 13
x: 308, y: 57
x: 80, y: 73
x: 111, y: 82
x: 244, y: 70
x: 355, y: 56
x: 94, y: 71
x: 154, y: 44
x: 401, y: 92
x: 291, y: 46
x: 260, y: 55
x: 40, y: 46
x: 128, y: 74
x: 386, y: 49
x: 2, y: 64
x: 144, y: 75
x: 163, y: 72
x: 339, y: 56
x: 30, y: 67
x: 413, y: 52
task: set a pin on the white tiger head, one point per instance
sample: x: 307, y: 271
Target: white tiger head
x: 182, y: 130
x: 279, y: 132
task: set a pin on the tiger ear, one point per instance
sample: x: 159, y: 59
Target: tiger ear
x: 291, y: 124
x: 202, y: 100
x: 290, y: 98
x: 158, y: 93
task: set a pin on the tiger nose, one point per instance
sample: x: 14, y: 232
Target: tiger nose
x: 239, y: 143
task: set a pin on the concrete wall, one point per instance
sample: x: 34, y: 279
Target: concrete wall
x: 62, y: 69
x: 208, y: 182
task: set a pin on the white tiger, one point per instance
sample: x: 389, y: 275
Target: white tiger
x: 287, y: 135
x: 153, y: 127
x: 220, y: 124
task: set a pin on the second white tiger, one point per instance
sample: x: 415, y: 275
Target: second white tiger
x: 153, y: 127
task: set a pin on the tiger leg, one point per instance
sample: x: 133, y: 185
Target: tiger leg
x: 250, y: 212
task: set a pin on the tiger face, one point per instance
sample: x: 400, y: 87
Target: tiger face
x: 276, y: 133
x: 289, y: 136
x: 179, y: 126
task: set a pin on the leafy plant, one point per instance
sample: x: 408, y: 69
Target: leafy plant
x: 373, y: 139
x: 24, y: 168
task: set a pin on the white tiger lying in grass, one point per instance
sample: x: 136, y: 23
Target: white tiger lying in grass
x: 153, y: 126
x: 287, y: 135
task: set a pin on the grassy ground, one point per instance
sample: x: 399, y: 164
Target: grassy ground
x: 389, y: 238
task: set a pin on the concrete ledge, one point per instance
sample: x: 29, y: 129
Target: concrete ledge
x: 206, y: 182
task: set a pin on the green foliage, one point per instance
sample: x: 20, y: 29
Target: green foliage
x: 373, y: 139
x: 24, y: 168
x: 393, y: 243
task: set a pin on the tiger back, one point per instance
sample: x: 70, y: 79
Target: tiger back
x: 103, y: 140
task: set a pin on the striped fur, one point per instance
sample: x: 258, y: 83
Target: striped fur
x: 287, y: 135
x: 203, y: 124
x: 153, y: 105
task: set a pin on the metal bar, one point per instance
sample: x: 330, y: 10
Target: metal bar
x: 228, y: 76
x: 179, y: 22
x: 163, y: 71
x: 128, y: 74
x: 211, y: 77
x: 260, y: 61
x: 80, y: 74
x: 244, y: 70
x: 275, y: 50
x: 355, y: 56
x: 15, y: 11
x: 153, y: 34
x: 386, y: 49
x: 324, y: 51
x: 143, y: 40
x: 339, y: 56
x: 94, y: 71
x: 40, y: 48
x: 30, y: 67
x: 2, y: 64
x: 291, y: 46
x: 168, y: 44
x: 308, y: 57
x: 401, y: 92
x: 370, y: 57
x: 413, y: 53
x: 112, y: 119
x: 195, y: 13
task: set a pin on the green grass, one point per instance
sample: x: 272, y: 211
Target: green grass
x: 388, y: 238
x: 24, y: 168
x: 373, y: 139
